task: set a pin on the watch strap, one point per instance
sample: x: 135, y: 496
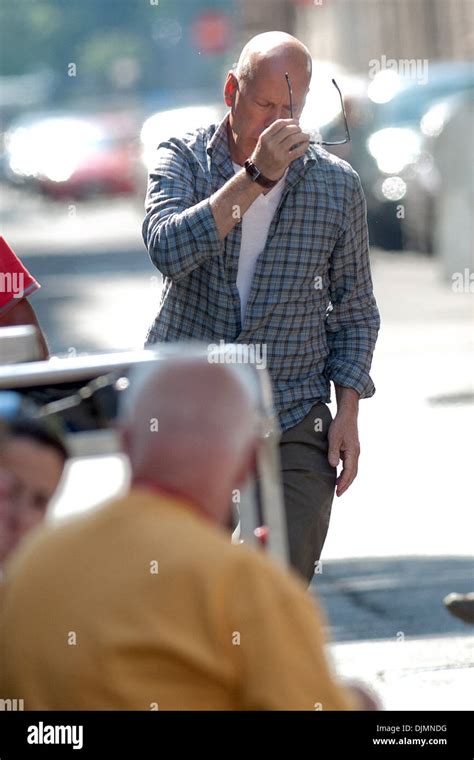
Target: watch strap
x: 256, y: 175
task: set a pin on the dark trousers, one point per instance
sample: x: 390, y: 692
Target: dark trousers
x: 308, y: 487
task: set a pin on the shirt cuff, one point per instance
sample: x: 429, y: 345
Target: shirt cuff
x: 351, y: 376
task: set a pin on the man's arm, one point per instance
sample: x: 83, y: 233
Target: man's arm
x: 282, y: 653
x: 280, y: 144
x: 231, y: 201
x: 352, y: 327
x: 24, y: 314
x: 343, y: 437
x: 181, y: 234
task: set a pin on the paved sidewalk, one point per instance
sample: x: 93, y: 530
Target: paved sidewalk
x: 402, y: 536
x: 412, y: 493
x: 414, y: 674
x: 390, y: 629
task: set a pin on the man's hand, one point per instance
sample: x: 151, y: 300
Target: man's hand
x: 278, y: 145
x: 272, y: 156
x: 343, y: 438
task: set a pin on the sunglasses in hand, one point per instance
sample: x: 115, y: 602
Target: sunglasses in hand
x: 323, y: 142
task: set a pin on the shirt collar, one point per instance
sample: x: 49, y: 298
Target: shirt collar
x: 218, y: 149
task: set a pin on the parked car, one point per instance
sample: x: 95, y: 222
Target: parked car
x: 391, y: 149
x: 73, y: 155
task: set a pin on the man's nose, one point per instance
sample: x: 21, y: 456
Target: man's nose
x: 277, y: 112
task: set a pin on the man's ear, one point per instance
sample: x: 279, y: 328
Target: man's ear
x: 230, y: 88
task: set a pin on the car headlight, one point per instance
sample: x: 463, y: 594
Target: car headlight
x: 394, y: 148
x: 54, y: 148
x: 434, y: 120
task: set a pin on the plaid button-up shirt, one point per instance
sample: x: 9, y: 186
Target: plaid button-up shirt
x: 311, y: 305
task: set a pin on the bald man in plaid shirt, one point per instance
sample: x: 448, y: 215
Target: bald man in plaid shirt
x: 261, y: 238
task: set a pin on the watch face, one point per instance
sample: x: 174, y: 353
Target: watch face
x: 252, y: 170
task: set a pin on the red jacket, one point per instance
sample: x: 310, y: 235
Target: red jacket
x: 15, y: 280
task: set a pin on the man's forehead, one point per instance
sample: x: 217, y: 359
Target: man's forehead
x: 274, y: 81
x: 275, y: 44
x: 272, y: 70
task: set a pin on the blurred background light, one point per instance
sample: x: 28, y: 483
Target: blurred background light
x: 394, y: 188
x: 433, y: 121
x: 167, y: 32
x: 384, y: 86
x: 53, y: 148
x: 173, y: 123
x: 211, y: 32
x: 394, y: 148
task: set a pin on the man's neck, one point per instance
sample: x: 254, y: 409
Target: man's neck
x: 237, y: 155
x: 167, y: 491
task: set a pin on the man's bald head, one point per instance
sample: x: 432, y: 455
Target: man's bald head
x: 189, y: 426
x: 257, y: 92
x: 273, y: 48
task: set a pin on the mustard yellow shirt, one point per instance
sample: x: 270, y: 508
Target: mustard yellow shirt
x: 144, y: 604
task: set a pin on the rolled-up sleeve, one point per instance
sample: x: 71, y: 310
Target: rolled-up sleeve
x: 179, y: 231
x: 353, y: 322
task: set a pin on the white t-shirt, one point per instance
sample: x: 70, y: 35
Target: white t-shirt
x: 255, y: 225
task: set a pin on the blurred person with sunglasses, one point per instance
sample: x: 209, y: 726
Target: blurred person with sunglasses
x: 16, y: 284
x: 262, y: 239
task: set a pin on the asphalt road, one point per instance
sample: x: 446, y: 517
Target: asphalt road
x: 96, y: 301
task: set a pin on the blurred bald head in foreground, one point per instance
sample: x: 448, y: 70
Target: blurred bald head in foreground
x: 188, y: 427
